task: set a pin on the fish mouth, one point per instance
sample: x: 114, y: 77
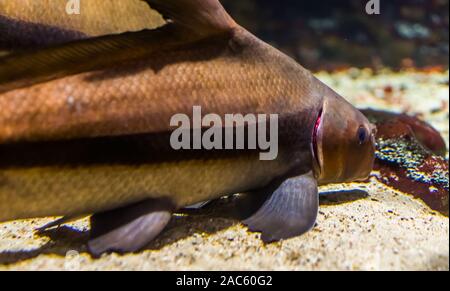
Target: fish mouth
x: 314, y: 143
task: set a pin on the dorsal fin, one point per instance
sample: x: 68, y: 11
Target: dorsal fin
x: 191, y: 20
x: 204, y: 17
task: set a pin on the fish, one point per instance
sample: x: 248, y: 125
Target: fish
x: 85, y: 129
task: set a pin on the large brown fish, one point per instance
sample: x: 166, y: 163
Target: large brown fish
x: 85, y: 129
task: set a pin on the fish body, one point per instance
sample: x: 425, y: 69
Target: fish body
x: 133, y: 99
x: 93, y: 137
x: 140, y: 96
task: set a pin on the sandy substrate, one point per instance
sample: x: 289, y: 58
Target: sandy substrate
x: 360, y: 226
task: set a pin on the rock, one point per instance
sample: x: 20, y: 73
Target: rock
x: 410, y: 158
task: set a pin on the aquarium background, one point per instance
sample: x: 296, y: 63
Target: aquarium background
x: 335, y: 34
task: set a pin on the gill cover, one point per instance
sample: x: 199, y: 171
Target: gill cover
x: 343, y: 141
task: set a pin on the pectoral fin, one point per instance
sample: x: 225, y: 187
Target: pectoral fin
x: 290, y: 211
x: 130, y: 228
x: 59, y: 222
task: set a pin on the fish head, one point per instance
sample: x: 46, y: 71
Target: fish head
x: 343, y: 142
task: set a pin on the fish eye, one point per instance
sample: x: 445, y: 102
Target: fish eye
x: 362, y: 135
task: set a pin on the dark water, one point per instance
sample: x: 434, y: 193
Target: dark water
x: 332, y: 34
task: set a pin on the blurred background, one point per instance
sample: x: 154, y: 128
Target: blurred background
x: 336, y: 33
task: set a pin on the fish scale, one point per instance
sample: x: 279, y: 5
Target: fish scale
x: 44, y: 112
